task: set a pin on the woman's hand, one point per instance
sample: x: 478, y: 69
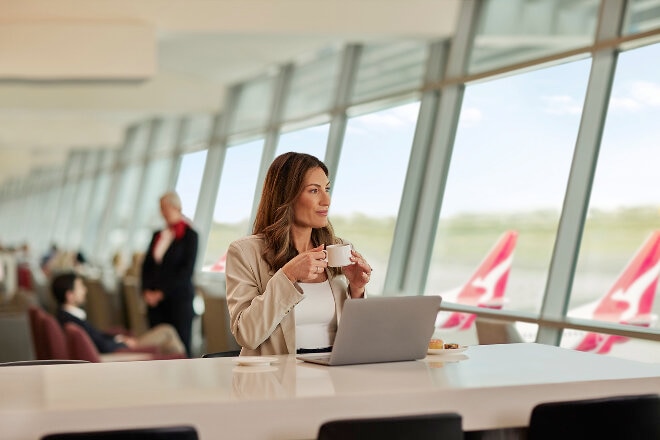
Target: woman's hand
x: 357, y: 274
x: 306, y: 266
x: 153, y: 297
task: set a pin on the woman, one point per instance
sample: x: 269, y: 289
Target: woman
x: 270, y: 273
x: 167, y: 271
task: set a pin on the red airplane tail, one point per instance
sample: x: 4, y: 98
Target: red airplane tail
x: 487, y: 285
x: 630, y: 299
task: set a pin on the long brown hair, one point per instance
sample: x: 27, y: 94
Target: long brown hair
x: 282, y: 186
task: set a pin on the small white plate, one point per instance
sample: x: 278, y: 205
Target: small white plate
x: 254, y: 369
x: 253, y: 361
x: 460, y: 349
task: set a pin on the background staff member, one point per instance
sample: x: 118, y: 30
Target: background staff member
x: 167, y: 271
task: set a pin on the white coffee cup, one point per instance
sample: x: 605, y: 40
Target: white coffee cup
x: 338, y: 255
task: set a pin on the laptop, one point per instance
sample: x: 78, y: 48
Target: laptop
x: 381, y: 329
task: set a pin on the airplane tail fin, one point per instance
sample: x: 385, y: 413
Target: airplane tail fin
x: 486, y: 286
x: 630, y: 299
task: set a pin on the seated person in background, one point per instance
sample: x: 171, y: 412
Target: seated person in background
x: 70, y: 293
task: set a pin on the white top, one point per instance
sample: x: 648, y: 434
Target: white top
x: 316, y: 320
x: 75, y: 311
x: 163, y: 242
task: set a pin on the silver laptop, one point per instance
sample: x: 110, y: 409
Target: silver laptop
x: 381, y: 329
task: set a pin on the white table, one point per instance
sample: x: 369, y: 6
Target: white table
x: 491, y: 386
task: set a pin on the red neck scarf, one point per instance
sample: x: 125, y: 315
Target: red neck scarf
x: 179, y: 229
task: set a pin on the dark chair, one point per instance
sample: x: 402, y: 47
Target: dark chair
x: 444, y: 426
x: 159, y: 433
x: 616, y: 417
x: 230, y: 353
x: 38, y: 339
x: 81, y: 346
x: 54, y: 337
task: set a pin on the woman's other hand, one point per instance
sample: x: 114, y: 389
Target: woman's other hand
x: 306, y: 266
x: 358, y: 274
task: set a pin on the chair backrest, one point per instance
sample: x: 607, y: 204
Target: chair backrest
x: 494, y: 331
x: 42, y: 362
x: 615, y: 417
x: 53, y: 335
x: 158, y: 433
x: 443, y: 426
x: 230, y: 353
x: 81, y: 345
x: 38, y: 338
x: 215, y: 323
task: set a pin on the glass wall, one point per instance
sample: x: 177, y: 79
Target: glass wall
x: 366, y: 193
x: 190, y: 181
x: 484, y: 133
x: 619, y: 261
x: 233, y: 205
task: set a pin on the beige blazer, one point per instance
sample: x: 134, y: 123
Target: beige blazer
x: 261, y: 302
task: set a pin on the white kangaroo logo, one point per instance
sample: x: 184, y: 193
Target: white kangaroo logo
x: 633, y: 294
x: 489, y: 281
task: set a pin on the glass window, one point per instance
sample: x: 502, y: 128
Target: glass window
x: 619, y: 258
x: 312, y: 140
x: 79, y: 212
x: 83, y: 195
x: 518, y: 31
x: 99, y: 198
x: 253, y: 105
x: 198, y: 130
x: 505, y: 190
x: 642, y: 16
x: 50, y: 198
x: 147, y: 217
x: 233, y: 205
x: 189, y: 182
x: 366, y: 193
x: 123, y: 211
x: 386, y: 69
x: 165, y: 136
x: 95, y: 214
x: 313, y: 86
x: 133, y: 151
x: 63, y: 209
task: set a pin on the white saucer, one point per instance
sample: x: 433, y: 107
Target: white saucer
x: 253, y: 361
x: 254, y: 369
x: 460, y: 349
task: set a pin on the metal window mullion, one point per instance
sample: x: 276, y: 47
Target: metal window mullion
x: 339, y: 119
x: 84, y: 161
x: 156, y: 126
x: 95, y: 177
x: 282, y: 92
x: 59, y: 208
x: 215, y: 160
x: 110, y: 211
x: 439, y: 153
x: 410, y: 197
x: 580, y: 180
x: 181, y: 132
